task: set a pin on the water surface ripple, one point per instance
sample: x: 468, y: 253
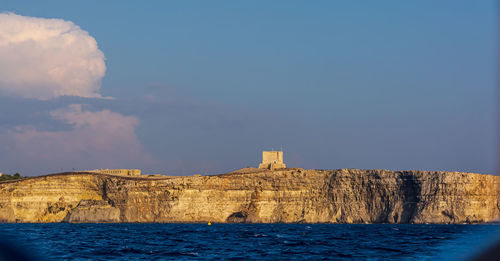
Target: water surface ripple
x: 246, y: 241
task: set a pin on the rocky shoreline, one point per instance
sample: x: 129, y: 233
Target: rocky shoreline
x: 291, y: 195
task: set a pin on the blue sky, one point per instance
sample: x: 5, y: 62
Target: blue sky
x: 387, y: 84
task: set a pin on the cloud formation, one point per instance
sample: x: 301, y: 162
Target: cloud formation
x: 47, y: 58
x: 95, y: 139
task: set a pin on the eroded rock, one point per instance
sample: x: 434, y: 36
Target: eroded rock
x: 93, y: 211
x: 257, y: 196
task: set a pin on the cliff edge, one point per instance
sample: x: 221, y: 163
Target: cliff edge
x: 256, y: 196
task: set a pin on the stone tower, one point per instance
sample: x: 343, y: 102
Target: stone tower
x: 272, y: 160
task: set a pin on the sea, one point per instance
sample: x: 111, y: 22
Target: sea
x: 63, y: 241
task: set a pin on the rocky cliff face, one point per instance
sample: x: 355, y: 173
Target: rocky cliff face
x: 288, y: 195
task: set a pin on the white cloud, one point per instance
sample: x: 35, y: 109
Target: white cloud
x: 47, y: 58
x: 96, y: 139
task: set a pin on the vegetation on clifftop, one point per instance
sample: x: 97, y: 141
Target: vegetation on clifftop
x: 7, y: 177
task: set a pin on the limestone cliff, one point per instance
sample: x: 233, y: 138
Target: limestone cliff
x: 260, y: 196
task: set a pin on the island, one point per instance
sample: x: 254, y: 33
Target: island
x: 272, y: 193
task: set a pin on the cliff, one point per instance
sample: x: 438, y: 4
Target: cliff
x: 256, y: 196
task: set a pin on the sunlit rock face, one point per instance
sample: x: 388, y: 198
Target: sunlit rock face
x: 257, y: 196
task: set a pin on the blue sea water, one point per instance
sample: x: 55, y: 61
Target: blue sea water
x: 247, y: 241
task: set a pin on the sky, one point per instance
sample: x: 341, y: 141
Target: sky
x: 202, y: 87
